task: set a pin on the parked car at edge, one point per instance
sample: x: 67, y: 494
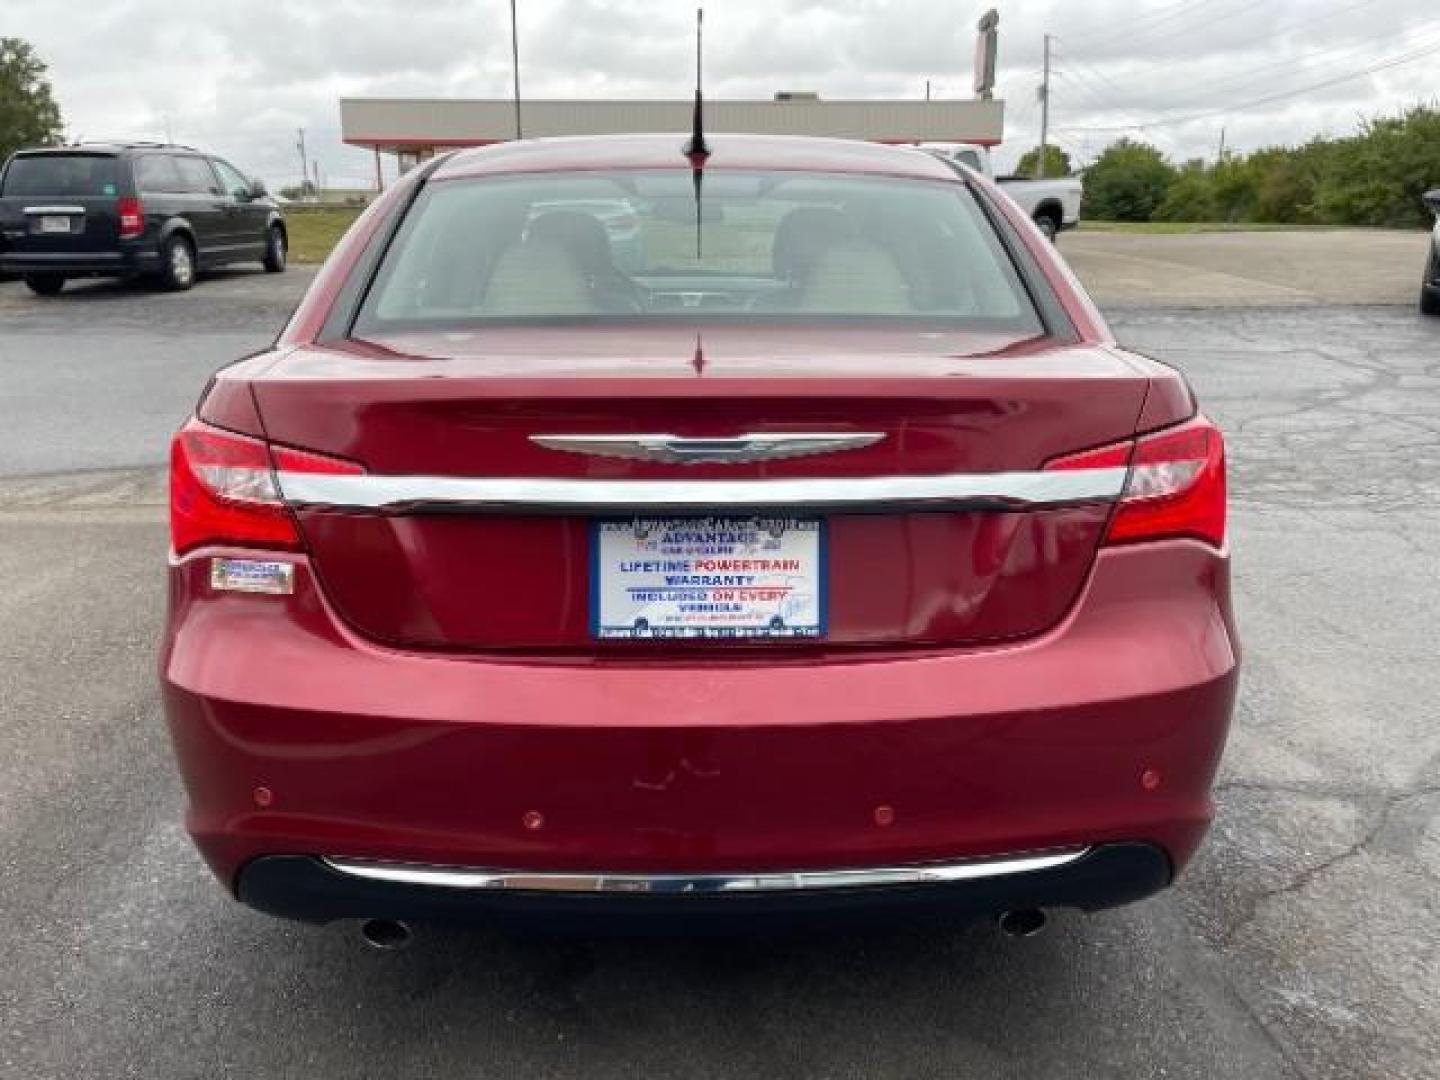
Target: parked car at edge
x: 843, y: 565
x: 125, y: 209
x: 1054, y: 205
x: 1430, y: 284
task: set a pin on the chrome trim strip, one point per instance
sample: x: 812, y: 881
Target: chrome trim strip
x: 460, y: 877
x: 864, y: 495
x: 683, y: 450
x: 53, y: 210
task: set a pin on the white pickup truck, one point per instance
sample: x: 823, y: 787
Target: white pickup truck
x: 1054, y: 205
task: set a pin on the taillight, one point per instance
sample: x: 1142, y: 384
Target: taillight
x: 1175, y: 485
x: 223, y: 489
x: 131, y: 213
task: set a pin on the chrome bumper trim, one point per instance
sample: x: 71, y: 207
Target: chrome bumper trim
x: 459, y: 877
x: 858, y: 495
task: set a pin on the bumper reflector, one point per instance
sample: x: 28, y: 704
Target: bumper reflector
x: 252, y: 576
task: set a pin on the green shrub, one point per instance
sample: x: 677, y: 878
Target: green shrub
x: 1127, y: 182
x: 1375, y: 177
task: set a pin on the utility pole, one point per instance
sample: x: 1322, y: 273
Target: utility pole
x: 1044, y: 114
x: 1221, y: 158
x: 515, y: 63
x: 304, y: 163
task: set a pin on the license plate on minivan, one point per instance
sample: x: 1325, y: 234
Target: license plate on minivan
x: 715, y: 577
x: 54, y: 223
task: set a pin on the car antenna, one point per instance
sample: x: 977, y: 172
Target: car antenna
x: 696, y: 149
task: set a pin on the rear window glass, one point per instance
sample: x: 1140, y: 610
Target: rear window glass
x: 627, y: 245
x: 75, y: 175
x: 196, y: 175
x: 156, y: 173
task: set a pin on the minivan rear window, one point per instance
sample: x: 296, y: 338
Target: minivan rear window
x: 70, y: 175
x: 595, y: 246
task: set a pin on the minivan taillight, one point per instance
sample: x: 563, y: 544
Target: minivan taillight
x: 223, y: 489
x: 131, y: 213
x: 1175, y: 485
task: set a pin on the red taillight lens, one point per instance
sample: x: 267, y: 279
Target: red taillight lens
x: 223, y: 489
x: 131, y: 213
x: 1175, y: 487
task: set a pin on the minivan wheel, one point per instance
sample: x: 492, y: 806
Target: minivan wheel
x: 45, y: 284
x: 177, y: 264
x: 1429, y: 289
x: 276, y: 250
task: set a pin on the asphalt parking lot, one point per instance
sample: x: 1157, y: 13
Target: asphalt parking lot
x: 1303, y: 943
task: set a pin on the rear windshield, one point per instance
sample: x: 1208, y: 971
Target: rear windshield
x: 74, y: 175
x: 628, y: 245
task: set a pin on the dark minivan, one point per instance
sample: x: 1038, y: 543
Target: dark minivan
x: 123, y: 209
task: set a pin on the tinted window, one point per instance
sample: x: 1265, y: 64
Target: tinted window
x: 233, y: 182
x: 157, y: 173
x: 597, y: 245
x: 969, y: 158
x: 74, y: 175
x: 196, y: 175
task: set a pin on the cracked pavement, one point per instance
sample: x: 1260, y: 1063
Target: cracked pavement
x: 1302, y: 943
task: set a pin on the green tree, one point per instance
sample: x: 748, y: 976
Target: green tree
x: 1190, y: 197
x: 1128, y: 182
x: 1057, y: 162
x: 28, y: 113
x: 1377, y: 177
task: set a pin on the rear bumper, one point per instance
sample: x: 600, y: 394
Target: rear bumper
x: 297, y: 738
x: 312, y: 890
x: 130, y: 260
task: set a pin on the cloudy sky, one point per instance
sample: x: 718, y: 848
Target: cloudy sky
x: 240, y: 76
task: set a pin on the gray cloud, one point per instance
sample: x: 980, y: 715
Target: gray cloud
x: 242, y: 77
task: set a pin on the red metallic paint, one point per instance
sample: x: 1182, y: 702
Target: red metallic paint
x: 308, y: 318
x: 713, y: 758
x: 508, y: 583
x: 673, y: 764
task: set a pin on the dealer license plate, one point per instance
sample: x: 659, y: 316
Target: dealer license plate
x: 716, y: 577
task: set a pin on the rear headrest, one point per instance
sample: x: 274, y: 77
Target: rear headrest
x: 580, y: 234
x: 802, y: 235
x: 856, y: 277
x: 537, y: 278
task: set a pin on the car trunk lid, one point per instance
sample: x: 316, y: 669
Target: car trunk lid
x: 431, y: 557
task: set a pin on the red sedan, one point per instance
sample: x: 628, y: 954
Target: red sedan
x: 829, y: 557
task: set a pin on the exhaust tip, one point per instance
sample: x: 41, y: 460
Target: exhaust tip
x: 387, y: 935
x: 1026, y: 922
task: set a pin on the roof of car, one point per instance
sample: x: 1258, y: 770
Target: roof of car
x: 666, y: 151
x: 107, y: 148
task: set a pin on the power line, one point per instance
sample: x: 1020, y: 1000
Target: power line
x: 1180, y: 20
x: 1091, y: 85
x: 1384, y: 65
x: 1253, y: 77
x: 1144, y: 21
